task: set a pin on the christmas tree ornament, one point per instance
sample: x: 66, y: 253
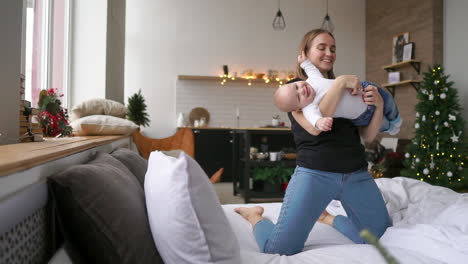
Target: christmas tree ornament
x: 426, y: 171
x: 445, y: 89
x: 431, y: 97
x: 436, y: 127
x: 436, y: 82
x: 437, y: 112
x: 455, y: 138
x: 443, y: 96
x: 417, y: 160
x: 432, y: 165
x: 449, y: 174
x: 407, y: 155
x: 446, y: 124
x: 417, y: 114
x: 424, y: 118
x: 416, y: 125
x: 452, y: 117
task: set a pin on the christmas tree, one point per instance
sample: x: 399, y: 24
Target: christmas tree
x: 137, y: 109
x: 437, y: 153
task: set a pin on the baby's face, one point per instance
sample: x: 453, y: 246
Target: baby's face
x: 299, y: 94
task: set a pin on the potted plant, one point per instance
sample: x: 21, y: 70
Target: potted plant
x: 52, y: 116
x: 136, y: 110
x: 273, y: 177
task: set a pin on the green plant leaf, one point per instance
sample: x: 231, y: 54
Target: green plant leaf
x: 136, y: 110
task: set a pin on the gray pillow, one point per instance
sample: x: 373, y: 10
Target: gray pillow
x: 134, y: 162
x: 101, y: 208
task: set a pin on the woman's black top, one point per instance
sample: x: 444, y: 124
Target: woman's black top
x: 338, y: 150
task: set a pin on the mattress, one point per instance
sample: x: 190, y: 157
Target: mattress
x: 430, y: 225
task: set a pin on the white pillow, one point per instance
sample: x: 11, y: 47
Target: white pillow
x: 102, y: 125
x: 98, y: 106
x: 185, y: 216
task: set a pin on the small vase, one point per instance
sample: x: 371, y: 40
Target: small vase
x: 181, y: 120
x: 275, y: 122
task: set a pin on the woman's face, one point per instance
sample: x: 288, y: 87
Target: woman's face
x: 322, y: 52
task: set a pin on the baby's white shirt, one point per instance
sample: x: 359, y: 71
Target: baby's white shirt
x: 349, y: 106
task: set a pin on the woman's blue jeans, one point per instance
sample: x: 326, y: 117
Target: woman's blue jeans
x: 308, y: 194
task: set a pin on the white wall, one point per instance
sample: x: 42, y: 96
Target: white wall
x: 169, y: 38
x: 88, y: 50
x: 10, y: 69
x: 255, y: 103
x: 455, y: 53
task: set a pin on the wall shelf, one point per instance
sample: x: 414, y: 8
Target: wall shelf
x: 391, y: 86
x: 237, y: 80
x: 415, y: 63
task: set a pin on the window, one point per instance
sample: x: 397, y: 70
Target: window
x: 46, y: 48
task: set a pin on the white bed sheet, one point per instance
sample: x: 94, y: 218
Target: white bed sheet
x: 430, y: 225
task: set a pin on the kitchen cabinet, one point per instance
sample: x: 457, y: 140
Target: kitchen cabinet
x: 213, y: 150
x: 243, y: 165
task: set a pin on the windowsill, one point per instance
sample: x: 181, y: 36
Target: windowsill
x: 22, y: 156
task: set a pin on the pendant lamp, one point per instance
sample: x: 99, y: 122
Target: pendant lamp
x: 279, y: 23
x: 327, y: 23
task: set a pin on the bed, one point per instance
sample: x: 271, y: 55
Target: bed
x: 430, y: 226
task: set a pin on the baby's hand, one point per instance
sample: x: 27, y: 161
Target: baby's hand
x: 324, y: 123
x: 301, y: 58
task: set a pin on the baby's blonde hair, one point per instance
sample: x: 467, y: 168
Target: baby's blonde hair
x: 281, y: 101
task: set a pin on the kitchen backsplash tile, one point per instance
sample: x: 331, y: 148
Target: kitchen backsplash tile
x: 255, y: 103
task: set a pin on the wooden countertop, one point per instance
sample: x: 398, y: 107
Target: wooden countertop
x: 21, y: 156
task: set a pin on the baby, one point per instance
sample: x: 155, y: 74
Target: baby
x: 306, y: 96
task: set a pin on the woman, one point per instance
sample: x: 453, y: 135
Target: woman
x: 330, y: 165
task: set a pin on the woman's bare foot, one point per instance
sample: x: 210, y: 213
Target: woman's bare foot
x: 326, y: 218
x: 251, y: 214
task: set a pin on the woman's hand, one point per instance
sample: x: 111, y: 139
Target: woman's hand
x: 301, y: 58
x: 372, y: 96
x: 351, y: 82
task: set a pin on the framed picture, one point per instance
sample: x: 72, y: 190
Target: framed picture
x: 408, y: 51
x: 393, y: 77
x: 399, y: 42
